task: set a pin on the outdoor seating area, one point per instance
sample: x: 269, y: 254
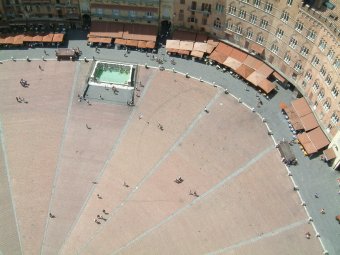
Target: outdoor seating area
x: 304, y: 126
x: 129, y: 35
x: 238, y: 63
x: 30, y: 39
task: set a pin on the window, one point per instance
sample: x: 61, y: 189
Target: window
x: 132, y: 13
x: 48, y: 8
x: 298, y: 66
x: 311, y: 35
x: 330, y: 54
x: 115, y: 12
x: 287, y: 58
x: 232, y: 10
x: 229, y: 25
x: 252, y: 19
x: 206, y: 7
x: 245, y: 1
x: 149, y: 14
x: 181, y: 15
x: 323, y: 71
x: 279, y: 33
x: 242, y: 14
x: 100, y: 12
x: 204, y: 21
x: 335, y: 91
x: 327, y: 106
x: 238, y: 30
x: 182, y: 2
x: 263, y: 23
x: 336, y: 63
x: 257, y: 3
x: 315, y: 86
x: 268, y: 7
x: 217, y: 23
x: 292, y: 43
x: 219, y: 8
x: 322, y: 45
x: 274, y: 48
x: 285, y: 16
x: 304, y: 51
x: 334, y: 118
x: 308, y: 77
x: 328, y: 80
x: 289, y: 2
x: 192, y: 20
x: 260, y: 39
x: 321, y: 95
x: 193, y: 5
x: 298, y: 26
x: 315, y: 61
x: 249, y: 34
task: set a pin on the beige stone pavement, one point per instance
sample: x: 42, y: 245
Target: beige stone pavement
x: 246, y: 204
x: 9, y: 237
x: 33, y: 134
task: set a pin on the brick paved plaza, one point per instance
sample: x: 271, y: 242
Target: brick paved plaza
x: 59, y: 154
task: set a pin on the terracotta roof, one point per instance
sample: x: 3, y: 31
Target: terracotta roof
x: 150, y: 44
x: 318, y: 138
x: 9, y: 40
x: 224, y: 48
x: 184, y: 36
x: 140, y: 32
x: 218, y: 57
x: 244, y: 70
x: 213, y: 42
x: 264, y: 70
x: 257, y: 48
x: 210, y: 48
x: 266, y: 85
x: 99, y: 40
x: 172, y: 44
x: 232, y: 63
x: 309, y: 122
x: 301, y: 107
x: 200, y: 46
x: 185, y: 45
x: 18, y: 40
x: 238, y: 55
x: 142, y: 44
x: 329, y: 153
x: 255, y: 78
x: 252, y: 62
x: 183, y: 52
x: 58, y: 37
x: 120, y: 41
x: 48, y: 37
x: 133, y: 43
x: 196, y: 53
x: 37, y: 38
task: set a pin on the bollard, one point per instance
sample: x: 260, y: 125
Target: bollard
x: 264, y: 120
x: 173, y: 70
x: 226, y: 91
x: 187, y: 75
x: 146, y: 65
x: 317, y: 234
x: 239, y: 100
x: 43, y: 58
x: 253, y: 109
x: 296, y: 188
x: 290, y: 173
x: 303, y: 203
x: 310, y: 219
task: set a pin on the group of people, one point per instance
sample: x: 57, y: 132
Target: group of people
x: 21, y: 100
x: 24, y: 83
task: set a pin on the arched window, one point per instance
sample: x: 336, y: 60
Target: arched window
x: 217, y: 23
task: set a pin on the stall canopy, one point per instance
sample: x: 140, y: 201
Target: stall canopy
x: 252, y: 62
x: 279, y: 77
x: 224, y: 49
x: 18, y: 40
x: 257, y: 48
x: 120, y: 41
x: 313, y: 141
x: 172, y: 44
x: 140, y: 32
x: 184, y: 36
x: 266, y: 85
x: 150, y: 44
x: 186, y: 45
x: 48, y: 37
x: 183, y: 52
x: 293, y: 118
x: 106, y: 29
x: 301, y: 107
x: 238, y: 55
x: 232, y: 63
x: 309, y: 122
x: 142, y: 44
x: 132, y: 43
x: 244, y: 70
x: 199, y: 46
x: 264, y: 70
x: 58, y: 38
x: 329, y: 154
x: 218, y: 57
x: 255, y: 78
x: 196, y: 53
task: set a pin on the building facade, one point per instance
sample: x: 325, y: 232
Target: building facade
x: 299, y: 40
x: 41, y: 12
x: 130, y: 11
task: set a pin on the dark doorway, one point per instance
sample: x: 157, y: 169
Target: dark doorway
x: 86, y: 20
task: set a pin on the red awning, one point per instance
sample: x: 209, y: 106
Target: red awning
x: 58, y: 38
x: 279, y: 77
x: 244, y: 71
x: 196, y: 53
x: 257, y: 48
x: 232, y: 63
x: 329, y: 154
x: 120, y: 41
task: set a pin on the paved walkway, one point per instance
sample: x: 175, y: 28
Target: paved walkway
x: 311, y: 175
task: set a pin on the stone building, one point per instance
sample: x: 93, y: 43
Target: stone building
x: 298, y: 39
x: 41, y: 13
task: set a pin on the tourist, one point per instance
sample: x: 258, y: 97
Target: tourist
x: 322, y: 211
